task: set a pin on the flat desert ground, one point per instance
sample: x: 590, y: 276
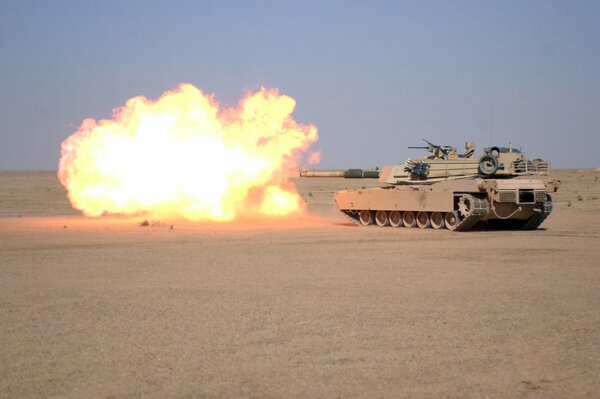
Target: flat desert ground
x: 309, y: 307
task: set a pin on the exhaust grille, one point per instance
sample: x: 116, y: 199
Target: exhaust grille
x: 507, y: 196
x: 540, y: 196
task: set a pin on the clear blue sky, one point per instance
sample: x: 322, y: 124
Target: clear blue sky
x: 373, y: 76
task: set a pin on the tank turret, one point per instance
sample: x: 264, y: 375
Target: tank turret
x: 446, y: 163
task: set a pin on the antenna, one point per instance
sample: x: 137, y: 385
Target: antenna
x: 491, y: 124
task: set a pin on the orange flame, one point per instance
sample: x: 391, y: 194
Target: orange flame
x: 181, y: 155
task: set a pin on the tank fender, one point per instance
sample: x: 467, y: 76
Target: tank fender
x: 552, y: 185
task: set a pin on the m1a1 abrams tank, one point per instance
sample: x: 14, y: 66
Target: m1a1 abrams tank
x: 499, y: 189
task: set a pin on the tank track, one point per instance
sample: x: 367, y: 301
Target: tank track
x: 352, y: 217
x: 534, y: 222
x: 480, y: 208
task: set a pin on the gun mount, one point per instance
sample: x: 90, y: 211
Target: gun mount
x: 438, y: 151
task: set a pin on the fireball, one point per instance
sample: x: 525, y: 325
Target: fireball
x: 184, y: 156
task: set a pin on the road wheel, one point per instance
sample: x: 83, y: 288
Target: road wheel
x: 451, y: 219
x: 437, y: 220
x: 395, y: 219
x: 381, y: 218
x: 408, y: 219
x: 365, y: 217
x: 423, y: 220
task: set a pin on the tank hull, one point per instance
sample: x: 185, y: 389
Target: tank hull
x: 517, y: 203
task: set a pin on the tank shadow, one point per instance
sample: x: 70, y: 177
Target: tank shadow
x: 502, y: 225
x: 345, y: 224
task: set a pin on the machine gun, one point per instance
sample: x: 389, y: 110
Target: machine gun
x: 438, y: 151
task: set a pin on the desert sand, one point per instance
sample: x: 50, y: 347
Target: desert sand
x: 307, y: 307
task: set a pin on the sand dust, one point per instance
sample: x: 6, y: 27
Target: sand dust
x: 305, y: 307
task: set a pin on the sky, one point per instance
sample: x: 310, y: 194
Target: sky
x: 374, y: 76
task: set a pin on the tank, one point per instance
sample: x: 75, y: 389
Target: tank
x: 500, y: 189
